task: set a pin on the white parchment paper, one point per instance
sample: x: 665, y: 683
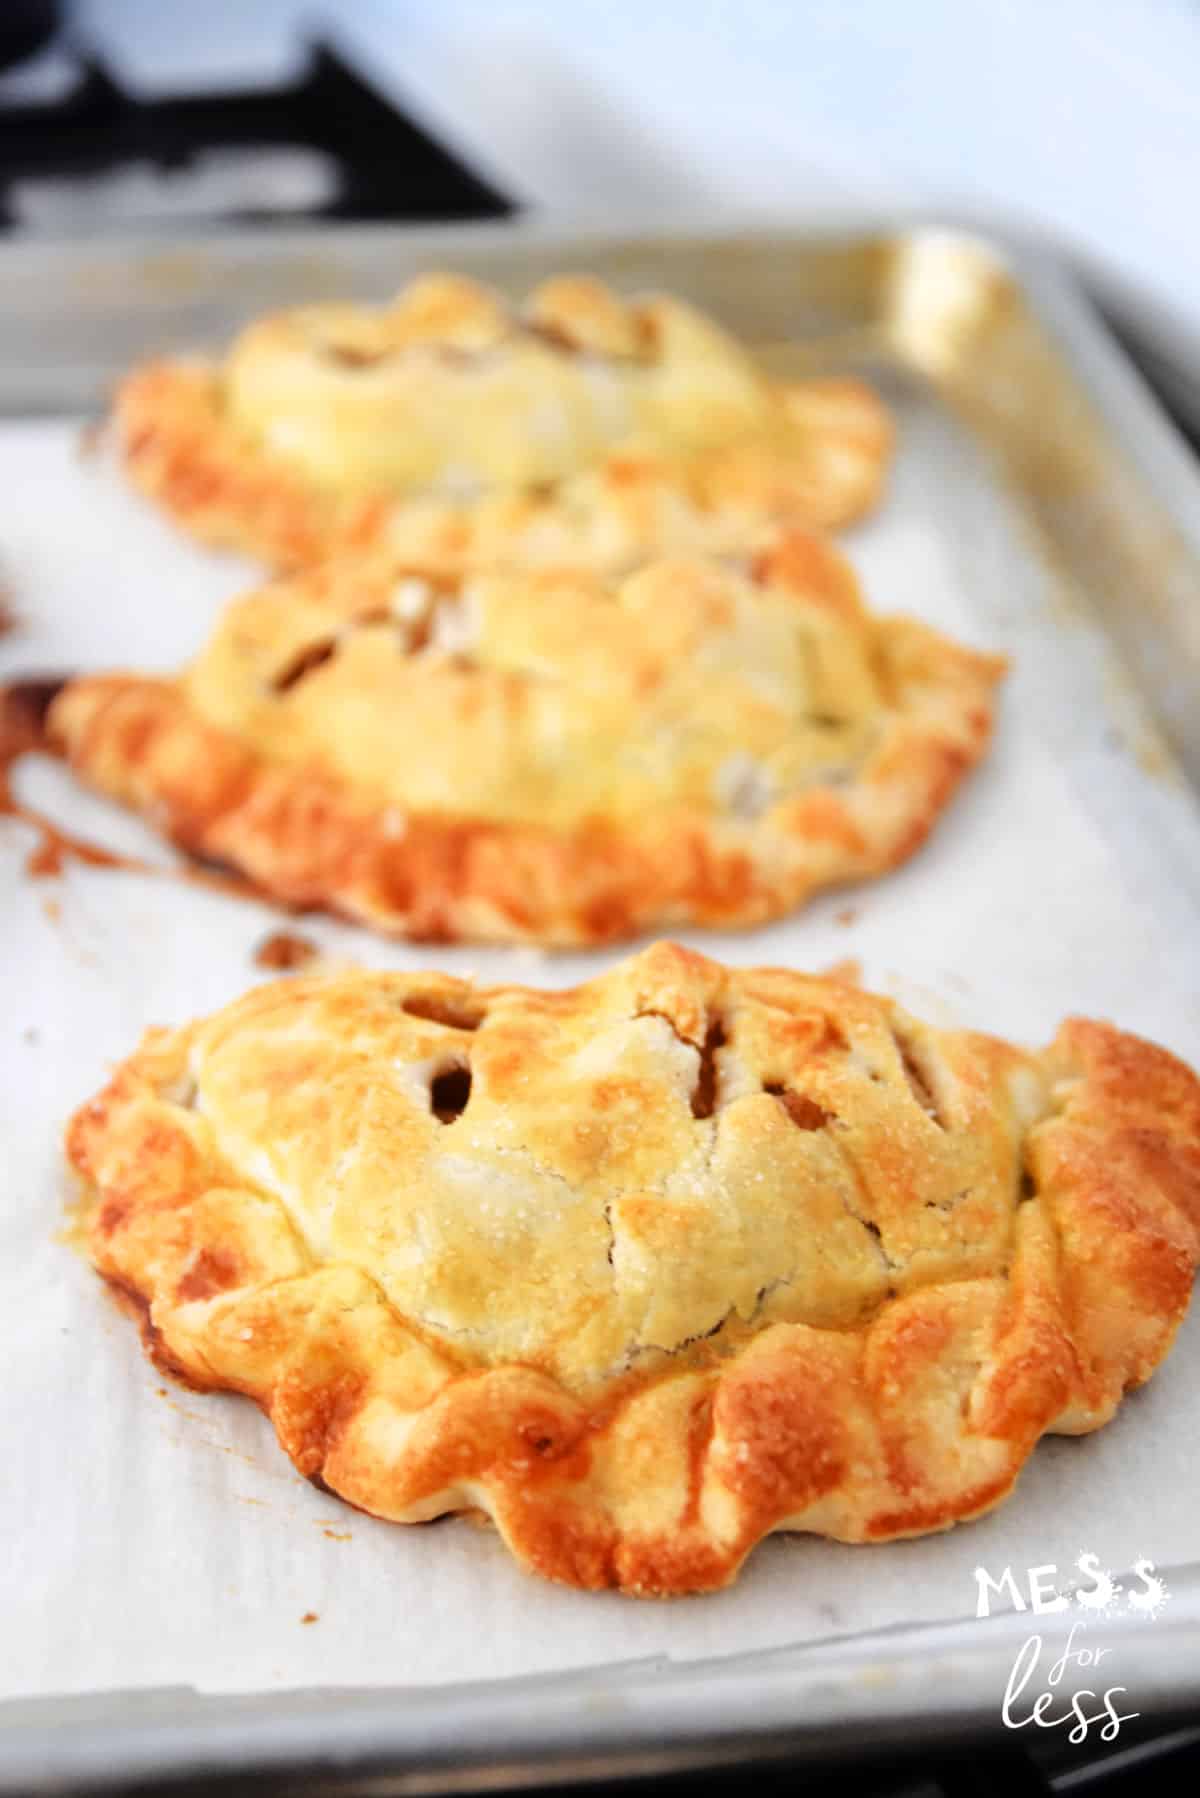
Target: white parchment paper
x: 156, y: 1537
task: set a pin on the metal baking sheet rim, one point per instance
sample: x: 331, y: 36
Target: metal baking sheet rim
x: 929, y: 293
x: 936, y: 1684
x: 648, y: 1715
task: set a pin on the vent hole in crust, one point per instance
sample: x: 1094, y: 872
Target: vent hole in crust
x: 443, y: 624
x: 311, y: 657
x: 353, y: 355
x: 832, y: 1035
x: 420, y: 632
x: 553, y: 336
x: 449, y: 1094
x: 456, y: 1011
x: 918, y: 1081
x: 804, y: 1112
x: 704, y: 1093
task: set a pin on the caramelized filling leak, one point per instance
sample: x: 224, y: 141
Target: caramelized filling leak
x: 24, y: 709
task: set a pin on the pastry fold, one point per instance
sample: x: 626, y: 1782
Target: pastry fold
x: 456, y: 430
x: 647, y: 1269
x: 551, y: 757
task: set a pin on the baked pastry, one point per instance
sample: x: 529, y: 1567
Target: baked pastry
x: 605, y: 431
x: 647, y: 1269
x: 549, y: 757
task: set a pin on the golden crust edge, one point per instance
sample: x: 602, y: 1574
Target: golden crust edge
x: 667, y: 1488
x: 307, y: 839
x: 179, y: 452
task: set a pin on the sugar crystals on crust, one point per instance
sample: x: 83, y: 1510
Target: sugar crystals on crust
x: 647, y: 1269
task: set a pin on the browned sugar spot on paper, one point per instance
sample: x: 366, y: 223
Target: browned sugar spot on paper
x: 847, y: 916
x: 24, y: 708
x: 24, y: 705
x: 338, y: 1535
x: 285, y: 949
x: 310, y: 1617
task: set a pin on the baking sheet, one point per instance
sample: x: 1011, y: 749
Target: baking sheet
x: 157, y: 1537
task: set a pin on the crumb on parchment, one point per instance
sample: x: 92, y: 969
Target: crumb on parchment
x: 285, y: 949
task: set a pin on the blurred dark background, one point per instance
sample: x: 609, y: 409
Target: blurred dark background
x: 1074, y: 122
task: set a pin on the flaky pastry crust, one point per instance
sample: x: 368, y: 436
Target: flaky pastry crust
x: 651, y: 1268
x: 550, y: 757
x: 582, y: 429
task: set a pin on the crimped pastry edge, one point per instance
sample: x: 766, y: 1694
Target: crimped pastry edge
x: 181, y: 452
x: 309, y: 839
x: 666, y: 1485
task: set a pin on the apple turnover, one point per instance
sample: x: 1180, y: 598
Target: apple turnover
x: 553, y: 756
x: 581, y: 428
x: 647, y: 1269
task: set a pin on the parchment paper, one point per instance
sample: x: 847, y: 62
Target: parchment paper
x: 156, y: 1537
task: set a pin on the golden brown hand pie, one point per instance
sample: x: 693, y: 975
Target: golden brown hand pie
x: 582, y: 428
x: 550, y: 757
x: 648, y: 1269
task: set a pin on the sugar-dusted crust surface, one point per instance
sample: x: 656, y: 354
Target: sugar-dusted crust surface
x: 647, y: 1269
x: 581, y: 428
x: 550, y: 756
